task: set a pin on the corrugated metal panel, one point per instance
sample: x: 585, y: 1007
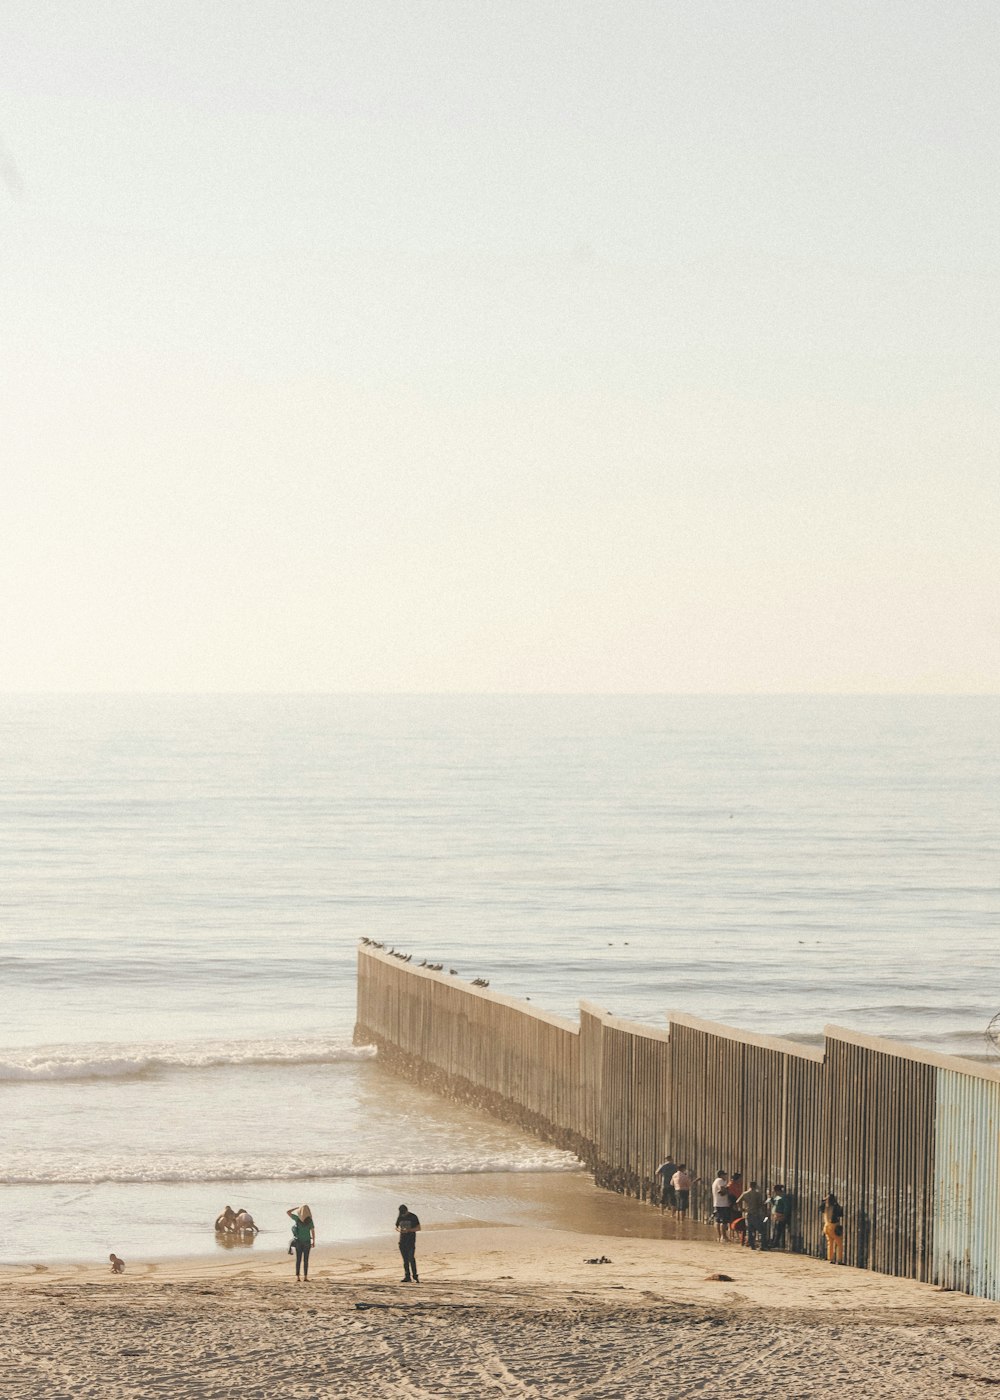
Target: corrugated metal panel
x: 633, y: 1102
x: 591, y: 1063
x: 753, y: 1103
x: 489, y: 1048
x: 880, y: 1103
x: 966, y: 1250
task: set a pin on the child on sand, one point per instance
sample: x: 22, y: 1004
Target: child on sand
x: 117, y: 1265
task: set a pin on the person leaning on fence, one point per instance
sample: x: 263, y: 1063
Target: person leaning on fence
x: 735, y: 1188
x: 682, y: 1183
x: 665, y: 1171
x: 779, y: 1210
x: 751, y: 1203
x: 833, y: 1228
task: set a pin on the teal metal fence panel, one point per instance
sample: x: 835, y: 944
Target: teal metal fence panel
x: 966, y: 1253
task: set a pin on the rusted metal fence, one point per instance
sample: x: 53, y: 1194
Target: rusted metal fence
x: 965, y: 1246
x: 915, y: 1153
x: 487, y: 1049
x: 880, y: 1100
x: 631, y: 1115
x: 753, y: 1104
x: 909, y: 1141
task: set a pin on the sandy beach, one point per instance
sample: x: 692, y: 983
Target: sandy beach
x: 498, y: 1312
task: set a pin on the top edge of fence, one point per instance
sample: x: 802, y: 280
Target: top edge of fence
x: 763, y: 1042
x: 780, y: 1044
x: 623, y: 1023
x: 900, y: 1050
x: 460, y: 984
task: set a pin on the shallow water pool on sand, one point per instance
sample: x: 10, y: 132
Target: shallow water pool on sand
x: 167, y: 1220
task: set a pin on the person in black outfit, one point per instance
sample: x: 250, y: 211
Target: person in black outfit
x: 407, y: 1226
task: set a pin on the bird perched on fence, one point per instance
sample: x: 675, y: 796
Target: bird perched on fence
x: 480, y: 982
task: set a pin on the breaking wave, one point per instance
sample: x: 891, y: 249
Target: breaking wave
x: 62, y: 1062
x: 52, y: 1173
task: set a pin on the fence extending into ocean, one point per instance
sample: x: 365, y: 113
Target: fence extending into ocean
x: 908, y: 1140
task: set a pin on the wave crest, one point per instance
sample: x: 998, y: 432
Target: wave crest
x: 541, y: 1160
x: 61, y: 1062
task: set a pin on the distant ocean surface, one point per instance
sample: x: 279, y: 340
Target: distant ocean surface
x: 184, y: 881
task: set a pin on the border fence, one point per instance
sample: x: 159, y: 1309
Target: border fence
x: 908, y: 1140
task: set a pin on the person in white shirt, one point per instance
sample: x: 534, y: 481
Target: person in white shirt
x: 722, y: 1205
x: 682, y: 1183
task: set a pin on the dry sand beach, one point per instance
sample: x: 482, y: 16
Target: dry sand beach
x: 499, y: 1312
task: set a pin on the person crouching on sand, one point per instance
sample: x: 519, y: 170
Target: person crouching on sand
x: 244, y: 1222
x: 303, y: 1239
x: 225, y: 1222
x: 117, y: 1265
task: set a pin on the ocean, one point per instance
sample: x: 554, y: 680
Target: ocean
x: 185, y: 879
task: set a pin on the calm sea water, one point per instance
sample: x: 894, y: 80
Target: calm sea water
x: 184, y: 881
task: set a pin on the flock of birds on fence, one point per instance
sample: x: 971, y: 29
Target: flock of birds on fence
x: 408, y: 957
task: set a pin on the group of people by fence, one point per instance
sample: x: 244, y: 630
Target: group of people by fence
x: 743, y: 1212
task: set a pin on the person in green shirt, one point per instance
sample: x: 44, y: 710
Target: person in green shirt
x: 751, y: 1203
x: 303, y: 1238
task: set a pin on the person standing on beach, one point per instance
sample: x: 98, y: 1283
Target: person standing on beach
x: 665, y: 1171
x: 779, y: 1209
x: 833, y: 1228
x: 751, y: 1203
x: 682, y: 1183
x: 722, y: 1206
x: 407, y: 1226
x: 735, y: 1187
x: 303, y: 1238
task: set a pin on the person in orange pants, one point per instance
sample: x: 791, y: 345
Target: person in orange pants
x: 833, y: 1228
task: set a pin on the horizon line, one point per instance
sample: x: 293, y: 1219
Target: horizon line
x: 510, y: 694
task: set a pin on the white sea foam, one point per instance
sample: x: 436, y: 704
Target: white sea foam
x: 53, y: 1172
x: 58, y: 1062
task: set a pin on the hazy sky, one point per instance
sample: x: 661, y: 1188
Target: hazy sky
x: 355, y: 345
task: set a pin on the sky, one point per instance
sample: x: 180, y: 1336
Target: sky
x: 491, y: 347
